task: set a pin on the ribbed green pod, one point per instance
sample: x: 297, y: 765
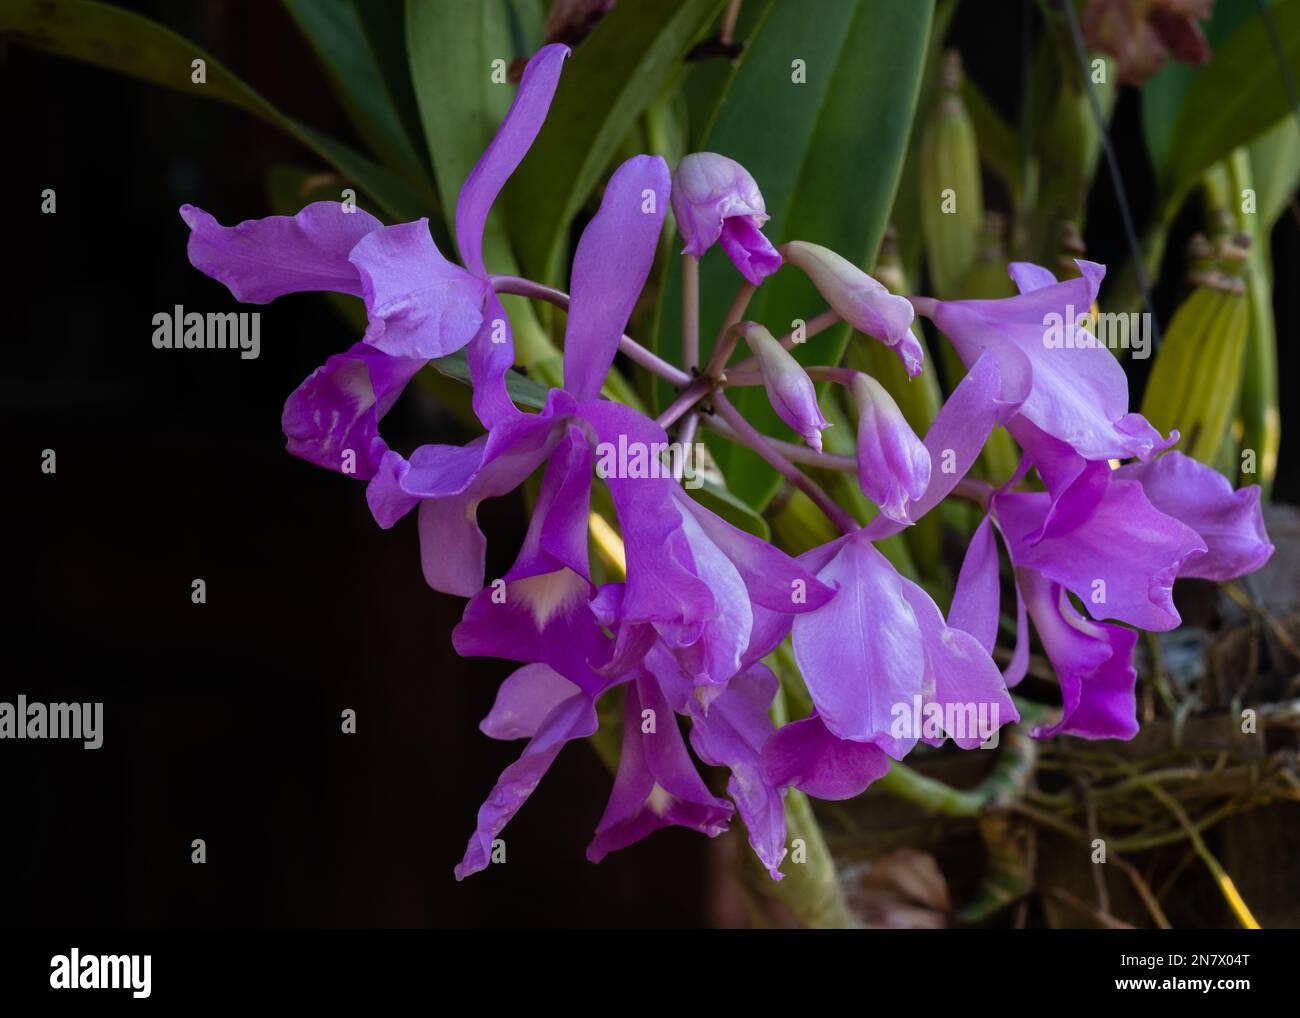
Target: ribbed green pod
x: 1196, y: 378
x: 952, y: 196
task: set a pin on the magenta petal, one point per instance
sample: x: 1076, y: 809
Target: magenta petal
x: 978, y: 594
x: 491, y: 353
x: 657, y: 784
x: 663, y: 585
x: 1029, y: 277
x: 1229, y: 522
x: 806, y: 755
x: 731, y: 733
x: 1121, y: 563
x: 505, y: 152
x: 574, y: 718
x: 1018, y: 666
x: 337, y: 409
x: 1076, y: 485
x: 1079, y: 393
x: 860, y: 654
x: 749, y: 249
x: 419, y: 304
x: 986, y: 397
x: 557, y: 530
x: 610, y: 267
x: 544, y: 618
x: 1093, y: 663
x: 433, y: 471
x: 261, y: 259
x: 524, y: 701
x: 772, y: 578
x: 452, y: 548
x: 960, y: 678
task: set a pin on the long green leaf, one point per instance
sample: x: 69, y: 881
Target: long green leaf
x: 454, y: 49
x: 827, y: 155
x: 121, y: 41
x: 612, y: 77
x: 337, y: 32
x: 1163, y: 94
x: 1238, y: 95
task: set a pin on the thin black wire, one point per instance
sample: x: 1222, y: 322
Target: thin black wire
x: 1287, y: 79
x: 1130, y: 232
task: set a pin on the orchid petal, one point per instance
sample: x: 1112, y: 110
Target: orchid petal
x: 505, y: 152
x: 1229, y: 522
x: 419, y: 304
x: 610, y: 267
x: 808, y: 756
x: 574, y: 718
x: 261, y: 259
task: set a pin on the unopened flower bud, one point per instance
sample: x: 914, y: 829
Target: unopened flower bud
x: 789, y: 389
x: 861, y: 301
x: 893, y: 464
x: 714, y: 198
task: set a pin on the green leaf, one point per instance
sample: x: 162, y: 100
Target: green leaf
x: 827, y: 155
x: 522, y: 389
x: 1275, y: 167
x: 612, y: 77
x: 452, y: 47
x: 723, y: 503
x: 1238, y: 95
x: 1162, y: 94
x: 118, y: 40
x: 338, y: 34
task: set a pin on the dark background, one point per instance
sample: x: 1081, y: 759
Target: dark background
x: 222, y: 721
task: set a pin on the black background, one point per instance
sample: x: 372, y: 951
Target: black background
x: 223, y: 720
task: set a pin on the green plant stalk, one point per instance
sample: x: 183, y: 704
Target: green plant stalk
x: 1261, y: 421
x: 950, y: 173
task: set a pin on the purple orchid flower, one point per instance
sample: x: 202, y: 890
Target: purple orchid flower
x: 715, y: 199
x: 1118, y: 552
x: 1077, y: 391
x: 715, y: 598
x: 885, y: 670
x: 419, y: 305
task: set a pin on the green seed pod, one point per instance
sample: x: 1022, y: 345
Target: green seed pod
x: 1196, y: 378
x: 952, y: 197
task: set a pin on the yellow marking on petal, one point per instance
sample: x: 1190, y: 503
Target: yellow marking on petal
x: 659, y: 800
x: 548, y: 593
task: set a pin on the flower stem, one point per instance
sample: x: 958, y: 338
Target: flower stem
x: 634, y: 351
x: 690, y: 311
x: 792, y: 450
x: 686, y: 433
x: 684, y: 402
x: 818, y: 373
x: 820, y: 323
x: 760, y: 443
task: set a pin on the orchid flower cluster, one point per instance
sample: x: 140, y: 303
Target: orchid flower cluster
x: 685, y: 633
